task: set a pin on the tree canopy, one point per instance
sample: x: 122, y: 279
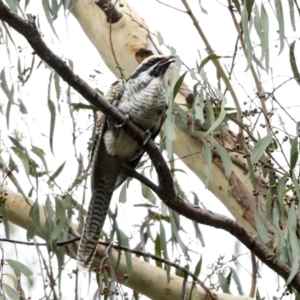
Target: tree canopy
x: 232, y: 124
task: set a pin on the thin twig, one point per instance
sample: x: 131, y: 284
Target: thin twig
x: 254, y: 272
x: 217, y: 64
x: 260, y: 91
x: 166, y: 191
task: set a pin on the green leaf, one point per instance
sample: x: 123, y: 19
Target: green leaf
x: 294, y: 271
x: 11, y: 293
x: 293, y: 62
x: 207, y: 59
x: 294, y: 246
x: 57, y: 86
x: 222, y: 113
x: 261, y: 229
x: 237, y: 5
x: 292, y: 14
x: 23, y: 108
x: 47, y: 11
x: 198, y: 106
x: 19, y: 268
x: 198, y: 267
x: 224, y: 282
x: 260, y: 148
x: 157, y: 248
x: 56, y: 173
x: 8, y: 32
x: 258, y: 27
x: 280, y: 19
x: 61, y: 216
x: 12, y: 5
x: 10, y: 95
x: 202, y: 8
x: 41, y: 154
x: 178, y: 84
x: 148, y: 194
x: 198, y: 233
x: 51, y: 107
x: 225, y: 158
x: 168, y: 272
x: 237, y: 281
x: 296, y: 186
x: 294, y: 153
x: 292, y: 217
x: 78, y: 106
x: 123, y: 194
x: 159, y: 38
x: 244, y: 22
x: 163, y: 240
x: 17, y: 144
x: 34, y: 214
x: 184, y: 283
x: 123, y: 240
x: 23, y: 158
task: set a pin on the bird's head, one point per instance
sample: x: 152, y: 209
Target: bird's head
x: 155, y: 65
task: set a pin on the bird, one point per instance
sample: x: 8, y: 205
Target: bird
x: 142, y: 99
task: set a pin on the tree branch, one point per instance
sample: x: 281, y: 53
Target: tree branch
x: 144, y: 277
x: 165, y: 189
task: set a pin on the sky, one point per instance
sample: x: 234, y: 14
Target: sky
x: 178, y: 32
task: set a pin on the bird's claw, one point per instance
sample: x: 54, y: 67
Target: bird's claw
x: 121, y: 125
x: 149, y: 135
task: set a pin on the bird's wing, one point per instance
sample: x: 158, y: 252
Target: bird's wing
x: 105, y: 171
x: 113, y: 96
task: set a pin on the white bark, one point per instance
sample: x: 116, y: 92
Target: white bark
x: 130, y: 36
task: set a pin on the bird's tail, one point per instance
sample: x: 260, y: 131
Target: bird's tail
x: 95, y: 219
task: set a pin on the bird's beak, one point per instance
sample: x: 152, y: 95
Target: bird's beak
x: 167, y: 60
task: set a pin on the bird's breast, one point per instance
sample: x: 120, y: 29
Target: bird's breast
x: 146, y: 108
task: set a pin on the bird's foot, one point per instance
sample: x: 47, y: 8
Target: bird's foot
x: 149, y: 135
x: 121, y: 125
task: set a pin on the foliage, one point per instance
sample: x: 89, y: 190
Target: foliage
x: 44, y: 148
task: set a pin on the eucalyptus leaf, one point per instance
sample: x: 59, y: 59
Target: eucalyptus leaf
x: 51, y: 107
x: 261, y: 229
x: 260, y: 148
x: 11, y: 293
x: 19, y: 268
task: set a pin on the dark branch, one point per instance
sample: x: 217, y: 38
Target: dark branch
x: 165, y: 189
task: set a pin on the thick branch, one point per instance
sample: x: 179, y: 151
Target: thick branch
x: 145, y: 278
x: 122, y: 46
x: 165, y: 190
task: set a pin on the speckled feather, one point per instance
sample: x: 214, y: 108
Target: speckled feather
x: 142, y: 97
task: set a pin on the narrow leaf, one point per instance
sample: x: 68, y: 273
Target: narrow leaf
x: 280, y: 19
x: 51, y: 107
x: 57, y: 172
x: 178, y: 84
x: 294, y: 153
x: 123, y: 193
x: 225, y: 158
x: 292, y: 14
x: 244, y: 22
x: 11, y: 293
x: 293, y: 62
x: 260, y: 148
x: 19, y: 268
x: 261, y: 229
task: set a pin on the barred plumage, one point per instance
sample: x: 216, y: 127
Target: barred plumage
x: 142, y: 98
